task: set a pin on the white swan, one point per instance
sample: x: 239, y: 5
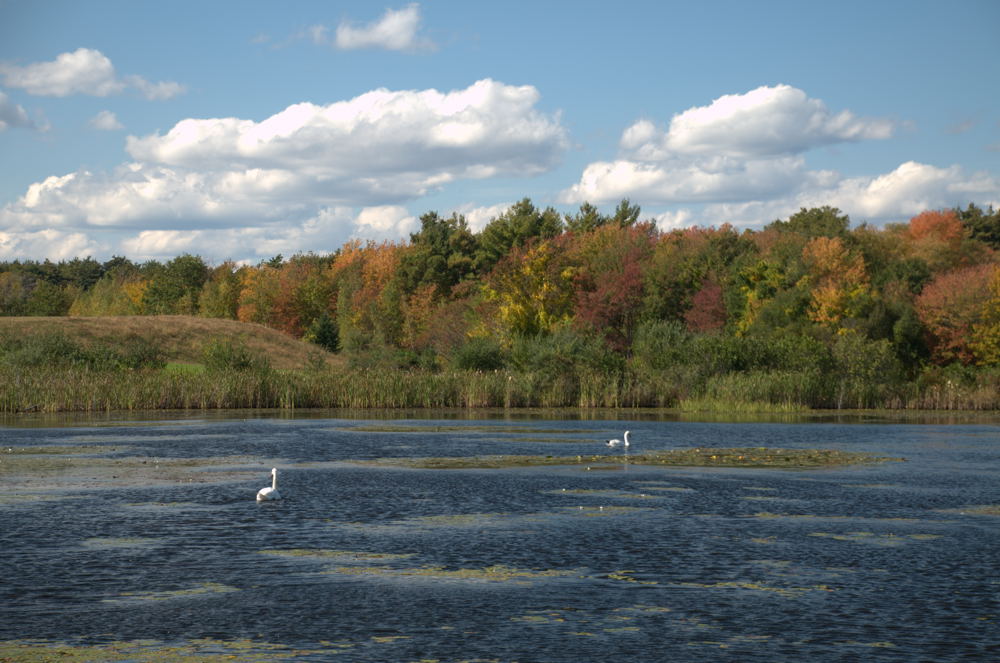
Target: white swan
x: 270, y: 492
x: 619, y: 443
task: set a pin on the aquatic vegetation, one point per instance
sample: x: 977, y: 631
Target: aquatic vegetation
x: 14, y: 499
x: 495, y: 573
x: 981, y: 510
x: 202, y: 650
x: 626, y: 576
x: 609, y: 494
x: 203, y: 589
x: 437, y: 428
x: 756, y: 457
x: 340, y: 555
x: 120, y: 542
x: 789, y: 592
x: 591, y: 511
x: 877, y: 539
x: 76, y: 469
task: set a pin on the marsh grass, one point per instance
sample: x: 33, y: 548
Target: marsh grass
x: 189, y: 386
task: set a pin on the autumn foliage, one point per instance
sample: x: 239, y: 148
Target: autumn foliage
x: 795, y: 301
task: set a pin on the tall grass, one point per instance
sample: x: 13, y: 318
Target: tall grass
x: 83, y: 388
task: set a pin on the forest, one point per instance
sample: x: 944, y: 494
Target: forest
x: 591, y: 309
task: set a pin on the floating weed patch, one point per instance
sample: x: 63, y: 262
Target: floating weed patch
x: 981, y: 510
x: 165, y: 505
x: 62, y: 450
x: 871, y: 538
x: 120, y: 542
x: 515, y: 430
x: 497, y: 573
x: 626, y: 576
x: 788, y: 592
x: 663, y: 486
x: 74, y: 470
x: 602, y: 511
x: 610, y: 494
x: 204, y: 589
x: 14, y: 499
x: 339, y: 555
x: 809, y: 516
x: 755, y: 457
x: 202, y: 650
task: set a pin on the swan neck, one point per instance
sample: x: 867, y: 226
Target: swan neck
x: 274, y: 479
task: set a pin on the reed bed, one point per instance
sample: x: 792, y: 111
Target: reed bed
x: 80, y: 389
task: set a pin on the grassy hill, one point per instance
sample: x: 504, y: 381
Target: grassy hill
x: 181, y: 338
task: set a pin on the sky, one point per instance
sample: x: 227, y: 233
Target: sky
x: 240, y: 130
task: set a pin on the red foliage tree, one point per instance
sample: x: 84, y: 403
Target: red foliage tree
x: 949, y: 306
x: 708, y: 310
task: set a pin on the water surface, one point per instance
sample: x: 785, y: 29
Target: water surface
x: 892, y: 562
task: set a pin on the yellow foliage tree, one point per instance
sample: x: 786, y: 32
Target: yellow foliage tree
x: 838, y: 283
x: 532, y: 289
x: 985, y: 341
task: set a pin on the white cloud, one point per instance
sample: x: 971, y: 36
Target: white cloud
x: 385, y: 222
x: 84, y: 71
x: 307, y: 178
x: 679, y: 181
x: 13, y: 115
x: 324, y: 232
x: 740, y: 148
x: 49, y: 244
x: 767, y: 121
x: 381, y: 145
x: 479, y: 217
x: 106, y: 121
x: 396, y: 30
x: 899, y: 195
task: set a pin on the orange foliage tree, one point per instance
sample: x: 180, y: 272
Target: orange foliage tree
x: 950, y: 307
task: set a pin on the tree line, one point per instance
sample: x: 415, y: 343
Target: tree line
x: 714, y: 312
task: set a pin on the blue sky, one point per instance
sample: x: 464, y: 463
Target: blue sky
x: 240, y: 130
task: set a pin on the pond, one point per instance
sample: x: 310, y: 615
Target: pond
x: 141, y: 540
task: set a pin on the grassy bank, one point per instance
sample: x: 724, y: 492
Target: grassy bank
x: 184, y: 363
x: 177, y: 338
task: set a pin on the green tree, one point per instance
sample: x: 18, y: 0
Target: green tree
x: 983, y: 226
x: 823, y: 221
x: 442, y: 253
x: 174, y: 288
x: 514, y: 228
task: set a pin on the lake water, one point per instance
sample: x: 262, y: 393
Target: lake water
x: 617, y: 562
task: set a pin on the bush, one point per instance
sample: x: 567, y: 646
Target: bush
x: 479, y: 354
x: 224, y: 354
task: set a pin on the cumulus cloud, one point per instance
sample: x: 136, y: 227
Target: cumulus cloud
x: 309, y: 174
x: 323, y: 232
x: 84, y: 71
x: 13, y: 115
x: 382, y: 144
x: 396, y: 30
x: 739, y: 147
x: 767, y: 121
x: 898, y: 195
x: 106, y: 121
x: 479, y: 217
x: 719, y: 178
x: 50, y: 244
